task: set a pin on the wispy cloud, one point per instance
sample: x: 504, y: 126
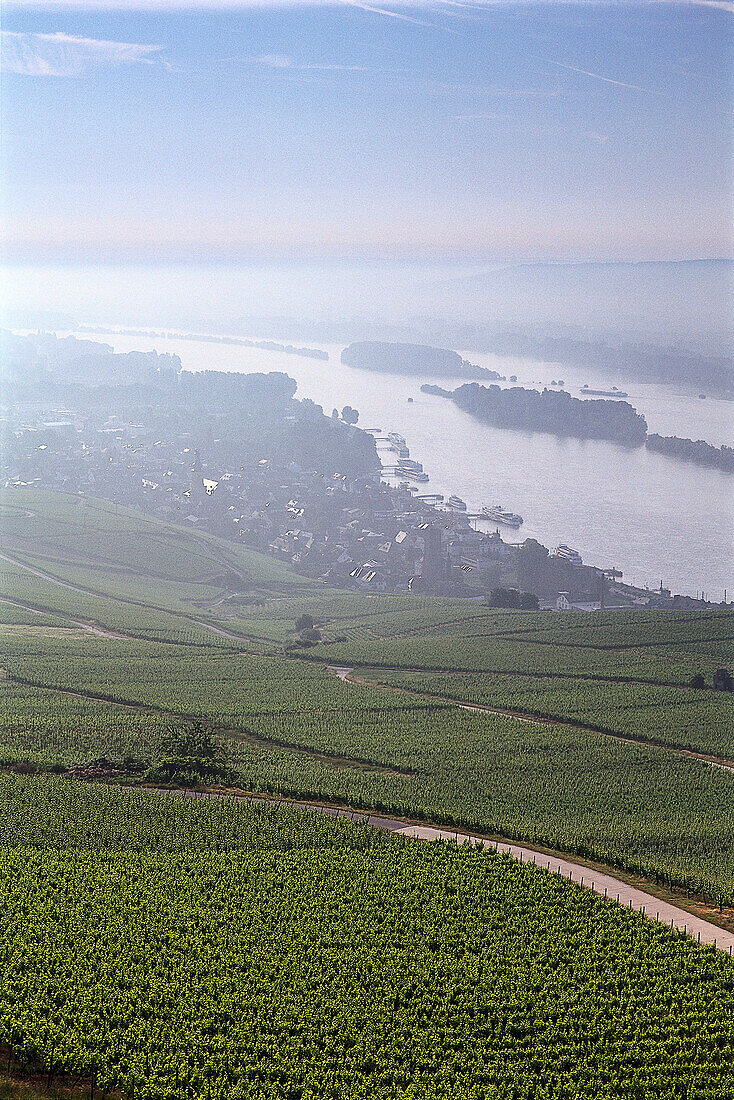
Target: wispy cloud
x: 595, y: 76
x: 235, y: 5
x: 337, y: 68
x: 411, y: 4
x: 283, y: 61
x: 485, y: 116
x: 274, y: 61
x: 66, y: 55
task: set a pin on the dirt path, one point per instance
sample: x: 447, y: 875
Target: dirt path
x: 347, y: 676
x: 335, y: 759
x: 82, y: 624
x: 584, y: 677
x: 48, y: 576
x: 603, y: 883
x: 241, y: 638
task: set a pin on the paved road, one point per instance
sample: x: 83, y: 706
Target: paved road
x: 601, y: 883
x: 604, y: 884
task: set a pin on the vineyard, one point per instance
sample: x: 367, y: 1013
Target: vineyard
x: 87, y: 531
x: 292, y: 727
x: 164, y: 948
x: 70, y: 697
x: 682, y: 717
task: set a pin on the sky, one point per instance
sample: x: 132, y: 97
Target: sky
x: 444, y: 132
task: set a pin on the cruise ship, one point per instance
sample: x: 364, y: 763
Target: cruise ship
x: 457, y: 503
x: 501, y: 515
x: 413, y: 475
x: 613, y: 392
x: 568, y: 554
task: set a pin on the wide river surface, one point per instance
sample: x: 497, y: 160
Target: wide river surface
x: 655, y: 518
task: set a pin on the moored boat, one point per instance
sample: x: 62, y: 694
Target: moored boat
x: 613, y: 392
x: 501, y: 515
x: 567, y: 553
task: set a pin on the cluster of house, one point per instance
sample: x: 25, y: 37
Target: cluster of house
x: 354, y: 532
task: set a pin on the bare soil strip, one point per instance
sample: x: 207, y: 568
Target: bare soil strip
x: 600, y: 882
x: 337, y: 761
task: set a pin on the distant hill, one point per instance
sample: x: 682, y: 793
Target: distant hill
x: 686, y: 303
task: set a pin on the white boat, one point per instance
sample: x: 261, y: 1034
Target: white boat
x: 613, y: 392
x: 456, y: 502
x: 501, y: 515
x: 567, y: 553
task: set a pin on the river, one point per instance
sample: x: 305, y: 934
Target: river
x: 655, y: 518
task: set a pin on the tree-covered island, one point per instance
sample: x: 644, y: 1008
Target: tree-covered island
x: 548, y: 411
x: 413, y: 359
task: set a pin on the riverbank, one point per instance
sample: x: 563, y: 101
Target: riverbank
x: 630, y: 508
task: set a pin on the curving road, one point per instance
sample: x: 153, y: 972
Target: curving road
x: 603, y: 883
x: 600, y: 882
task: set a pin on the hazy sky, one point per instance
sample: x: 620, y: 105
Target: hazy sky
x: 450, y: 130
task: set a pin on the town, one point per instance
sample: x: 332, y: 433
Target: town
x: 239, y: 456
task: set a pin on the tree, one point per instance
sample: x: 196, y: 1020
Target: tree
x: 350, y: 415
x: 192, y: 742
x: 511, y: 598
x: 723, y: 680
x: 304, y: 622
x: 192, y: 757
x: 698, y: 681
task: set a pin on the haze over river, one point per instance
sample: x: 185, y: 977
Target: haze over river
x: 655, y: 518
